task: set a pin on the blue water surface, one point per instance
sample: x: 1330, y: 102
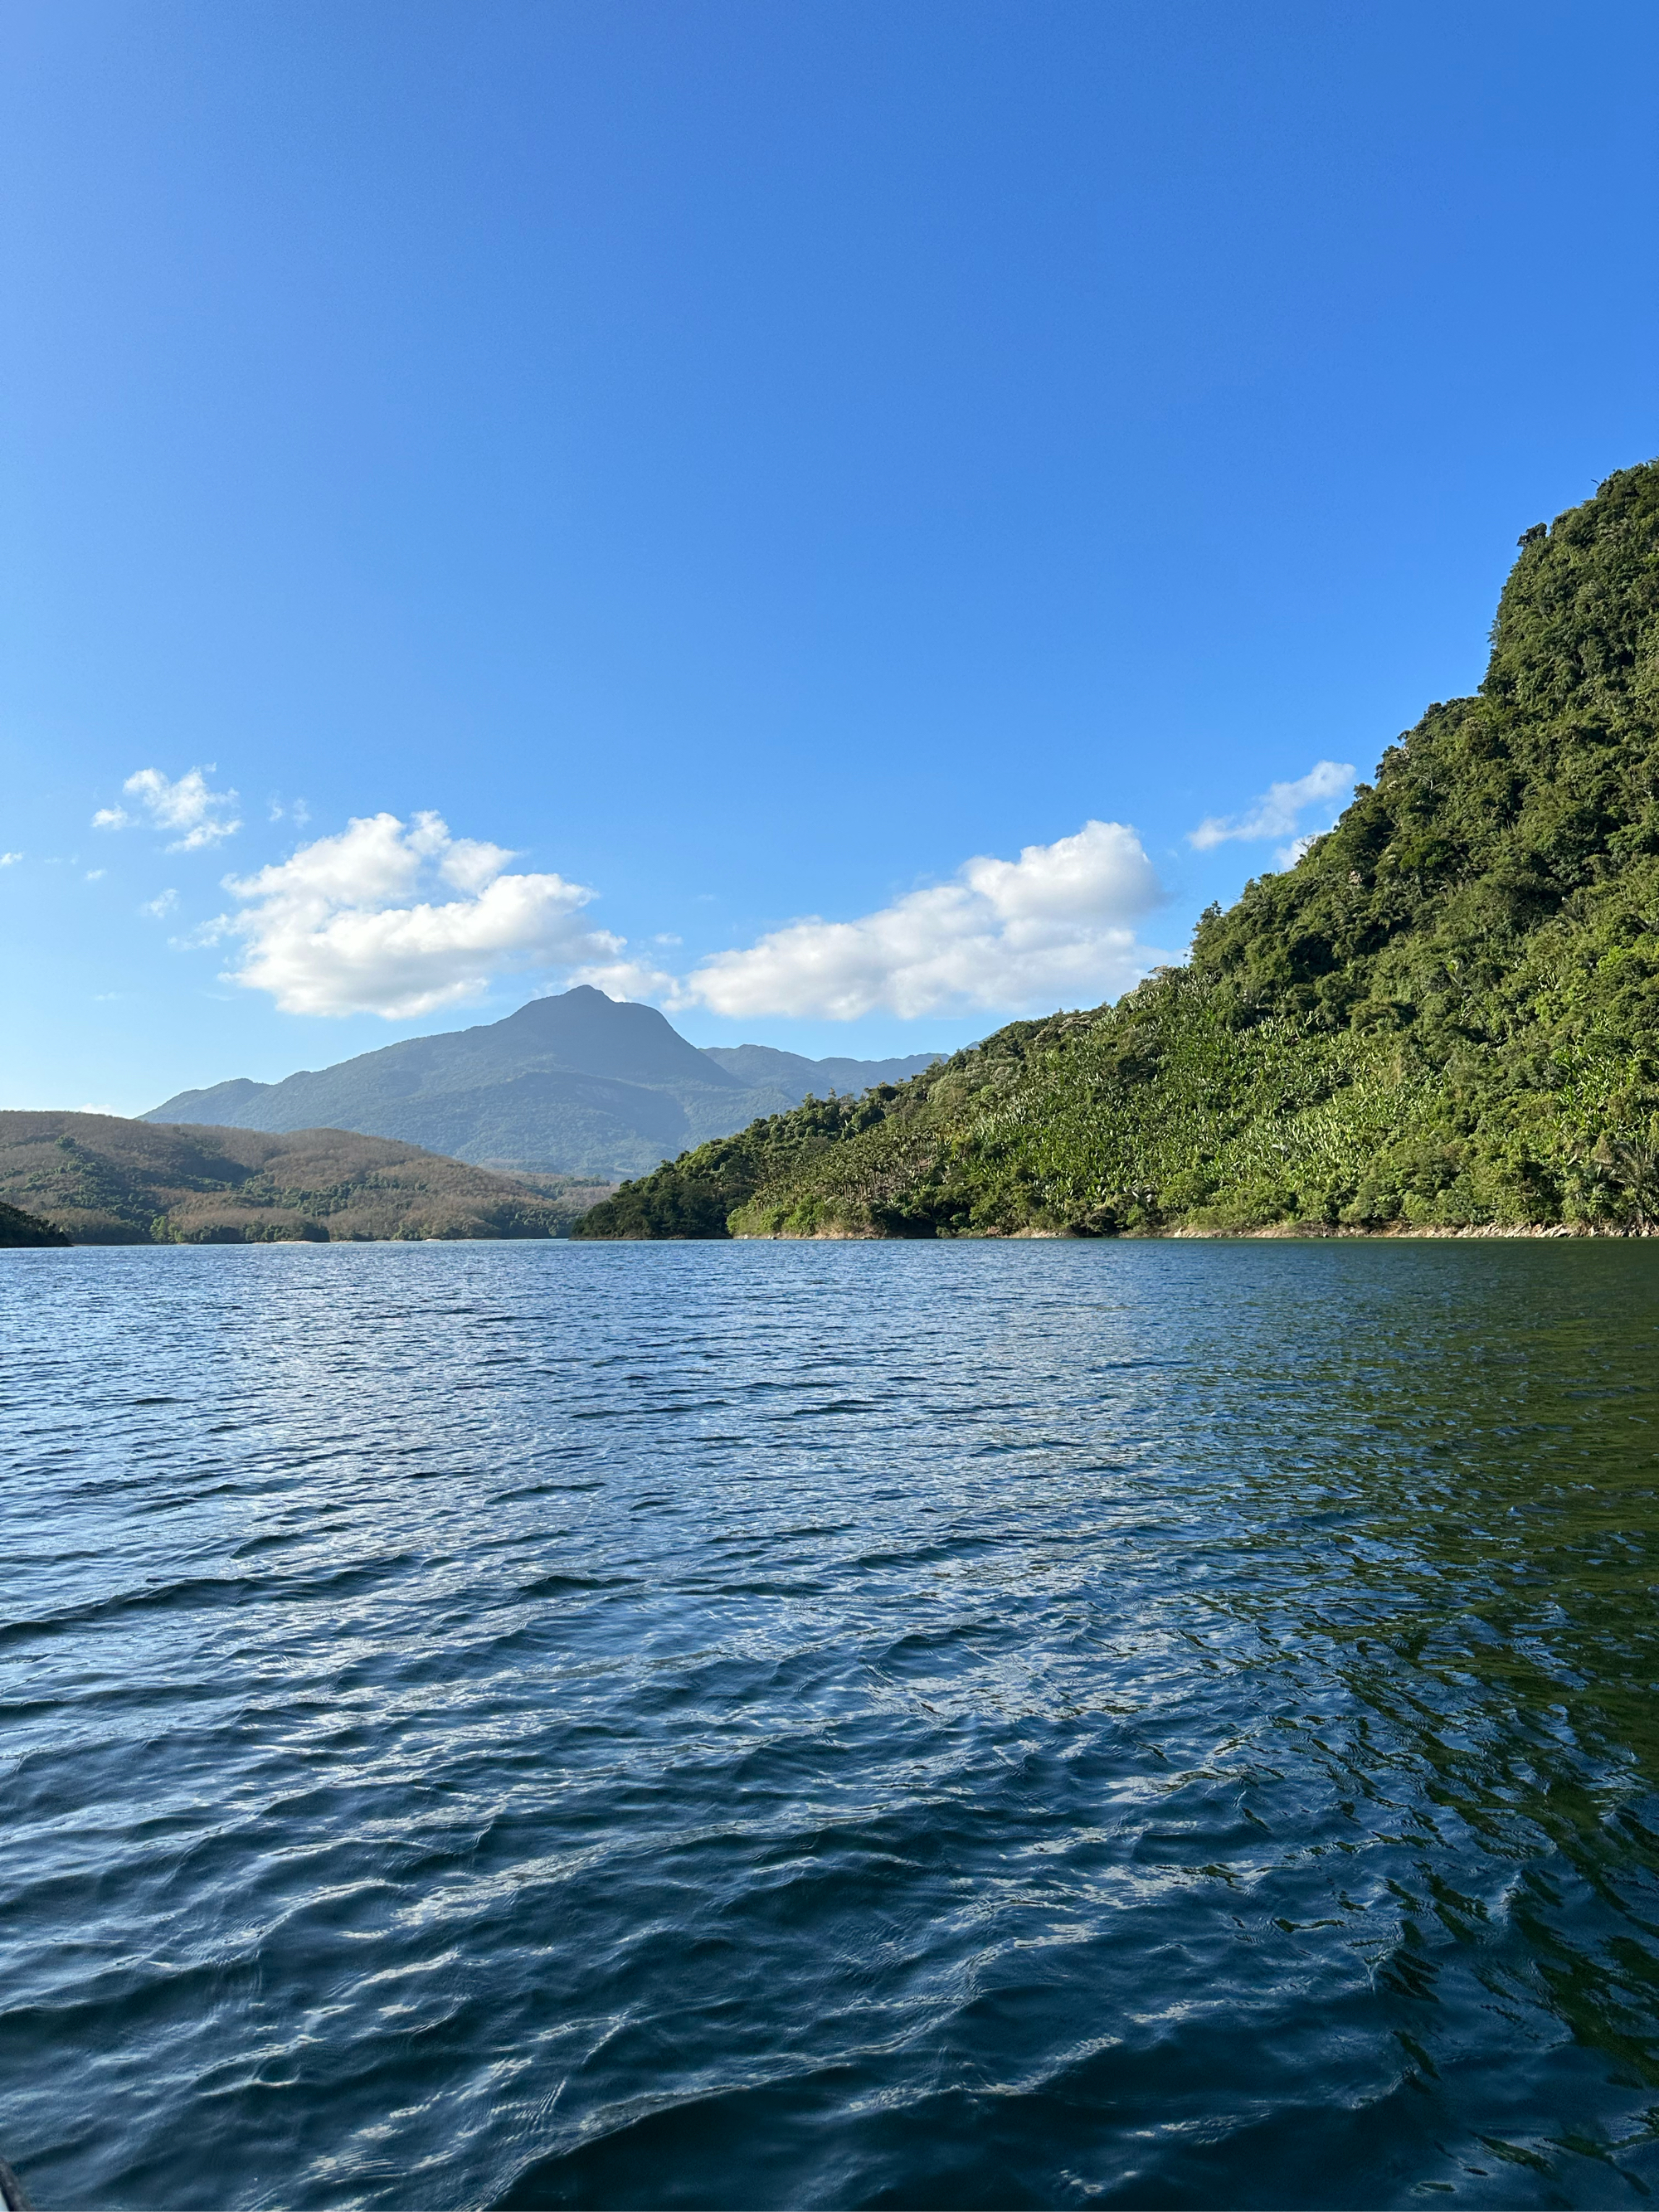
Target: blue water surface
x: 957, y: 1724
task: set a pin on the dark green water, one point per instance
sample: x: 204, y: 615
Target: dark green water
x: 980, y: 1725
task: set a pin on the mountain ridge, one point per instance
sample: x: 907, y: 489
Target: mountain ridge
x: 575, y: 1083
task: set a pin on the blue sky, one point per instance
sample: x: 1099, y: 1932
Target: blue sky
x: 710, y: 488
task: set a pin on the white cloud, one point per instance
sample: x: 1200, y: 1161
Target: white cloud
x: 1052, y: 927
x: 635, y: 979
x: 203, y: 817
x: 95, y: 875
x: 359, y: 923
x: 341, y: 927
x: 162, y: 903
x: 1276, y: 812
x: 10, y: 860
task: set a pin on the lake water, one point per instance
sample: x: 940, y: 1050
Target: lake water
x: 830, y: 1725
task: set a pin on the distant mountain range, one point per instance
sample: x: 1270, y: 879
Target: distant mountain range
x: 576, y: 1084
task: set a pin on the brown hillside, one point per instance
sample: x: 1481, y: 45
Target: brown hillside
x: 101, y: 1180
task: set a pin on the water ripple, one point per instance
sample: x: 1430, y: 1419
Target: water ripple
x: 1147, y: 1725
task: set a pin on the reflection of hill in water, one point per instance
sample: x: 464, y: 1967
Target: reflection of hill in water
x: 1447, y: 1517
x: 577, y: 1083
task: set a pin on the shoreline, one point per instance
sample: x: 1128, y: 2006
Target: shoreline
x: 1294, y: 1232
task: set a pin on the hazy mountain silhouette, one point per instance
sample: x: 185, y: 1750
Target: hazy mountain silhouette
x: 576, y: 1084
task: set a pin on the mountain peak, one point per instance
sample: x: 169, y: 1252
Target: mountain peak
x: 575, y: 1082
x: 583, y: 1029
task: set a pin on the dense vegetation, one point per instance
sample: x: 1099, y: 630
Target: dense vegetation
x: 1445, y: 1015
x: 18, y: 1228
x: 99, y: 1180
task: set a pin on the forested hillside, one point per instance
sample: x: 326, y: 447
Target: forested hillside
x: 1445, y: 1015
